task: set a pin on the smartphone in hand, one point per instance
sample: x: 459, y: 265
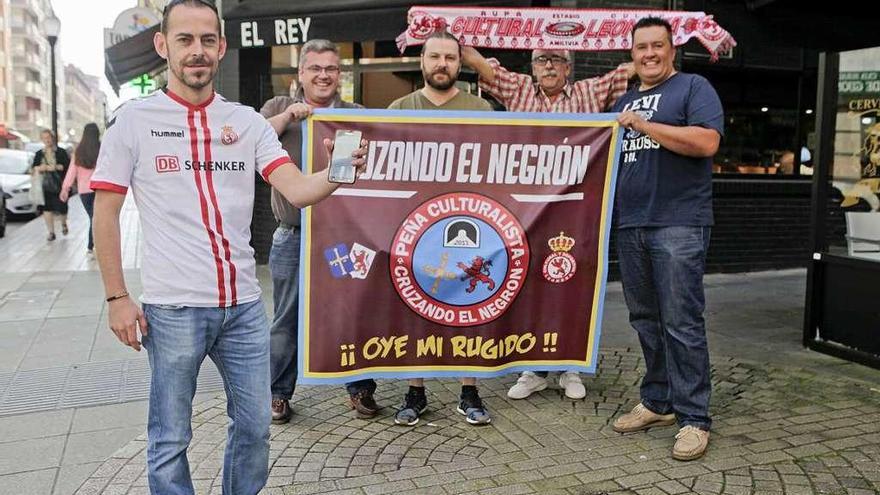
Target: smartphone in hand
x: 341, y: 167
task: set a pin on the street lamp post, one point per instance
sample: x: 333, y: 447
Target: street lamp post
x: 53, y: 27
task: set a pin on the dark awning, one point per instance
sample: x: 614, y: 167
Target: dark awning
x: 256, y: 23
x: 131, y: 58
x: 336, y: 20
x: 846, y: 25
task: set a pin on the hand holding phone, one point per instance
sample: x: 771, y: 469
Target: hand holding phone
x: 341, y: 167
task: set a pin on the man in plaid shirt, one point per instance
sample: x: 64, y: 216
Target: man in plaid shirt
x: 549, y: 91
x: 552, y: 92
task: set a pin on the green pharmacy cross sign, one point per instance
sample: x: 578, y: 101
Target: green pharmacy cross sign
x: 145, y: 84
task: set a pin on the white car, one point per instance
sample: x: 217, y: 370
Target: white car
x: 15, y: 180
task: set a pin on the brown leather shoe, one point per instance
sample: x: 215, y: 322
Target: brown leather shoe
x: 641, y: 418
x: 690, y: 443
x: 281, y: 411
x: 364, y: 404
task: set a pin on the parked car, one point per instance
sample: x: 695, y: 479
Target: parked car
x: 3, y: 197
x: 15, y: 180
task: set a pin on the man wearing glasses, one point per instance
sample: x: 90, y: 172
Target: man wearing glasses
x: 318, y: 88
x: 548, y: 90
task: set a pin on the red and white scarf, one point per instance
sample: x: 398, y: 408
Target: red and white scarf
x: 557, y: 29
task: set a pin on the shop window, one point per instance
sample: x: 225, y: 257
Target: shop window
x: 854, y: 177
x: 759, y: 140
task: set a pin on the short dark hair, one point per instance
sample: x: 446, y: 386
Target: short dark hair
x: 192, y: 3
x: 652, y: 22
x: 442, y: 34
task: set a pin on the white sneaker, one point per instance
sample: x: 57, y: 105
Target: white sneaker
x: 570, y: 381
x: 527, y: 384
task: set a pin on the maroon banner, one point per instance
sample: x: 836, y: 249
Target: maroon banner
x: 474, y: 244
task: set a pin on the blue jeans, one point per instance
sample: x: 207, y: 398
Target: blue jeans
x: 662, y: 273
x: 283, y: 337
x: 88, y: 201
x: 284, y: 265
x: 236, y: 339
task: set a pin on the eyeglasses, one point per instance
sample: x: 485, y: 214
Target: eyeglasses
x: 555, y: 59
x: 331, y: 70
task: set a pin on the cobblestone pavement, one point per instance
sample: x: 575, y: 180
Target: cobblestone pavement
x: 777, y: 430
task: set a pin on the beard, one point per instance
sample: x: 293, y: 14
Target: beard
x: 206, y: 76
x: 438, y: 85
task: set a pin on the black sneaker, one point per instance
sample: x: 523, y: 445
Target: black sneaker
x: 471, y: 406
x: 414, y: 404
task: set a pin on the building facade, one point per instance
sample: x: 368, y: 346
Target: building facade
x: 32, y: 77
x: 84, y: 103
x: 7, y: 103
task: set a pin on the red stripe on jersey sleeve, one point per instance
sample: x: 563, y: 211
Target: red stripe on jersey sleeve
x: 273, y: 165
x: 107, y: 186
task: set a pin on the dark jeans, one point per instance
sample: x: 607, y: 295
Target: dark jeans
x: 662, y: 274
x: 355, y: 387
x: 88, y: 201
x: 284, y: 265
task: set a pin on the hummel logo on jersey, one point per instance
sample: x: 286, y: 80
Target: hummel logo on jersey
x: 167, y: 163
x: 165, y: 134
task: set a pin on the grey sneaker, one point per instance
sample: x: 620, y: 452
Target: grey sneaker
x: 471, y: 406
x: 414, y: 404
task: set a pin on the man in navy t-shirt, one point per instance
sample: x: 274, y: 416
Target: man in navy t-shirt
x: 673, y: 125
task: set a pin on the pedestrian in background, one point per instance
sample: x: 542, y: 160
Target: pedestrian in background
x: 84, y: 159
x: 49, y: 166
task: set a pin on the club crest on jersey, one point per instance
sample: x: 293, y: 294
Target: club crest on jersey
x: 227, y: 135
x: 459, y: 259
x: 560, y: 265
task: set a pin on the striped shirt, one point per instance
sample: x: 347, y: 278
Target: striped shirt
x: 519, y: 93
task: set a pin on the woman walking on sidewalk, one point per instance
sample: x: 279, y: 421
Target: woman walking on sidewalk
x: 48, y: 169
x: 84, y: 158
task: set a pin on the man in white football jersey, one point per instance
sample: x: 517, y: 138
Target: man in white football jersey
x: 189, y: 158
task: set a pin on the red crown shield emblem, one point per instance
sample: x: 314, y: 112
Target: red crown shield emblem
x: 227, y: 135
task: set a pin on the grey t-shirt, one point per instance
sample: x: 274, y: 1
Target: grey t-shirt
x: 291, y: 141
x: 461, y: 101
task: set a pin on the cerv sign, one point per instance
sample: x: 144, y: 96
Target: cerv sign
x: 269, y: 32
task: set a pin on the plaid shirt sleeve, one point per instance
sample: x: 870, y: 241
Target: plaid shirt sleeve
x: 508, y: 87
x: 606, y: 89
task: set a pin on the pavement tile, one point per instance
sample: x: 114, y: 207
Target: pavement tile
x: 31, y: 455
x: 28, y: 483
x: 35, y: 425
